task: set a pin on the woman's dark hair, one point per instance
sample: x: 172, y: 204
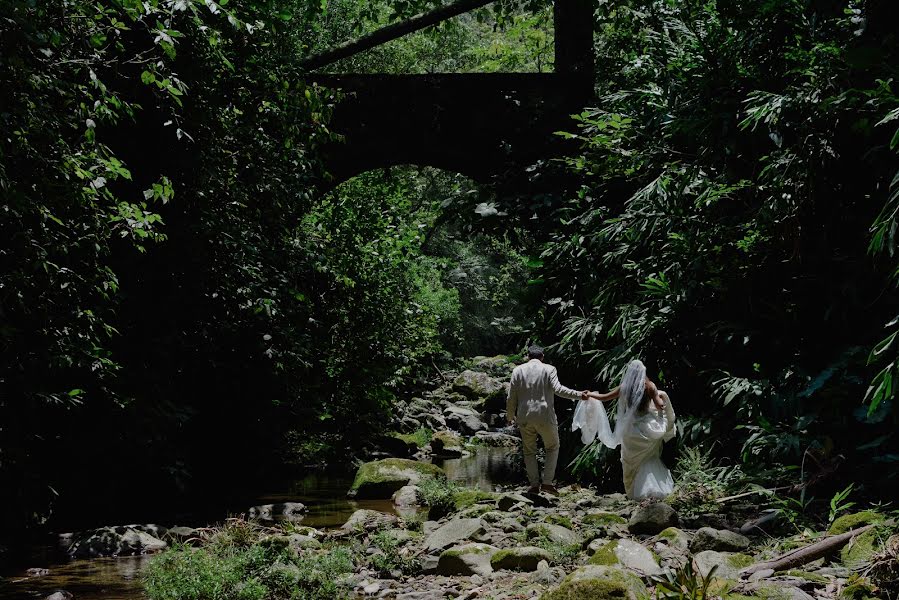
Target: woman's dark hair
x: 649, y: 392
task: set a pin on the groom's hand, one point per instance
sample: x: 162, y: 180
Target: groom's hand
x: 584, y: 395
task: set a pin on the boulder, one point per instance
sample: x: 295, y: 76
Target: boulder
x: 453, y: 532
x: 446, y: 444
x: 628, y: 554
x: 497, y: 366
x: 475, y: 386
x: 126, y: 540
x: 721, y: 540
x: 729, y: 564
x: 554, y: 533
x: 290, y: 511
x: 495, y: 402
x: 522, y: 558
x: 599, y: 583
x: 398, y: 444
x: 468, y: 559
x: 463, y: 420
x: 381, y: 478
x: 60, y: 595
x: 368, y: 520
x: 652, y: 519
x: 407, y: 496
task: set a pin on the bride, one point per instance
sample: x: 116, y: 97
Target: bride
x: 644, y: 421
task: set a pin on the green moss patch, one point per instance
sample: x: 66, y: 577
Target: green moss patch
x: 559, y: 520
x: 381, y: 478
x: 599, y: 583
x: 850, y: 522
x: 605, y: 555
x: 604, y: 519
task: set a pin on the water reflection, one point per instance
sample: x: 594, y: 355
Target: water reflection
x: 95, y: 579
x: 485, y: 469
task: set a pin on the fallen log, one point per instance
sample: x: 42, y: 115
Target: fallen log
x: 807, y: 554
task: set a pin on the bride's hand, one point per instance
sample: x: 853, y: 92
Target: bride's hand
x: 659, y: 401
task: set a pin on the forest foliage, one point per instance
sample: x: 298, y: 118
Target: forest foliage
x: 180, y: 302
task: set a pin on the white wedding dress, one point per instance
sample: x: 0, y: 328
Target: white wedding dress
x: 645, y: 475
x: 640, y: 435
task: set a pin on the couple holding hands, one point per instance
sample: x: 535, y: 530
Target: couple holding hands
x: 644, y: 420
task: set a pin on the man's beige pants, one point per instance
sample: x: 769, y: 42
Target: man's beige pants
x: 549, y: 433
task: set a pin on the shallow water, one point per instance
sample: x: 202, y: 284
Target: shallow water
x: 323, y: 494
x: 94, y: 579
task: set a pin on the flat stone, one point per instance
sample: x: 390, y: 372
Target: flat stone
x: 453, y: 532
x: 628, y: 554
x: 729, y: 565
x: 507, y: 502
x: 721, y: 540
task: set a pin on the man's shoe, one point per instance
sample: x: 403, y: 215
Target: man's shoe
x: 550, y: 489
x: 534, y: 489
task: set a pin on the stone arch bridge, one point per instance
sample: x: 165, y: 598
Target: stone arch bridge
x: 482, y: 125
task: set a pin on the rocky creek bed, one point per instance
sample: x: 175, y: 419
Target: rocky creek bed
x: 428, y: 537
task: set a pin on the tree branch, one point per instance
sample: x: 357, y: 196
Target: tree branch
x: 390, y: 32
x: 806, y: 554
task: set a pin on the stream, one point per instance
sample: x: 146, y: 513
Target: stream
x: 323, y: 494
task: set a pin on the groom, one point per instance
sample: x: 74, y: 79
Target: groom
x: 530, y: 405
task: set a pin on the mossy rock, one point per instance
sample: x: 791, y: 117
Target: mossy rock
x: 381, y: 478
x: 858, y: 588
x: 861, y: 549
x: 675, y: 538
x: 628, y: 554
x: 729, y: 564
x: 468, y: 497
x: 850, y: 522
x: 520, y: 559
x: 604, y: 519
x: 562, y: 520
x: 594, y: 582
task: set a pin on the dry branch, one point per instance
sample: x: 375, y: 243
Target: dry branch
x: 806, y: 554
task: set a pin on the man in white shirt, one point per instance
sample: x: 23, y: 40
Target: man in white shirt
x: 531, y: 406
